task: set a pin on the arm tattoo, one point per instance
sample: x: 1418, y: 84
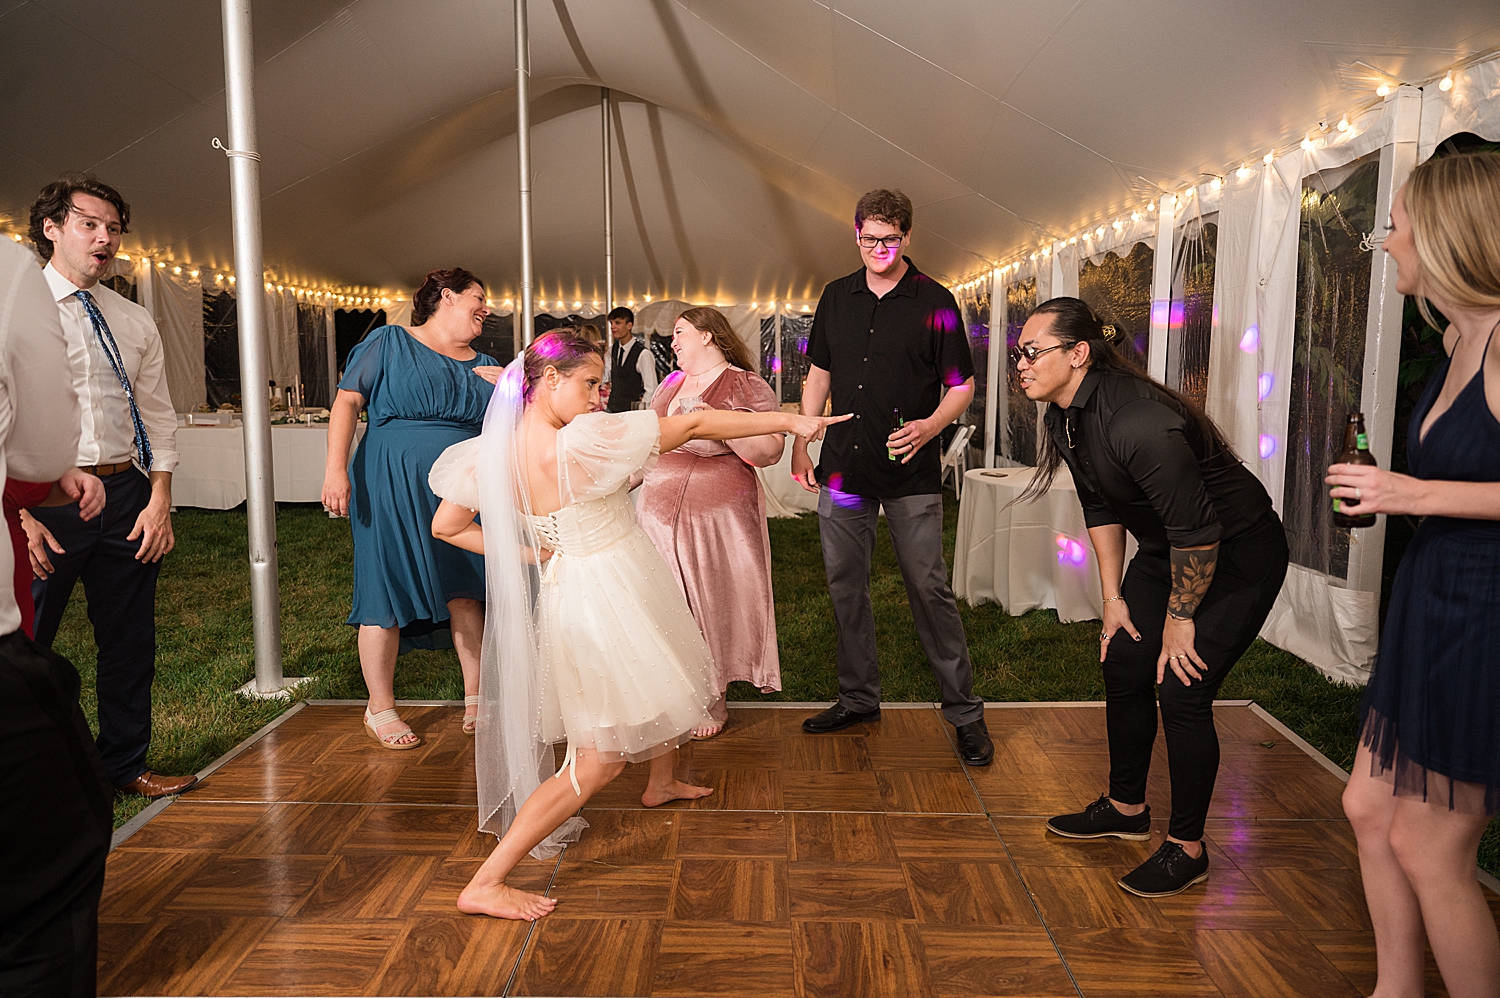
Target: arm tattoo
x: 1192, y: 574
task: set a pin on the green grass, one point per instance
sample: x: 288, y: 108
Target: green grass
x: 205, y: 649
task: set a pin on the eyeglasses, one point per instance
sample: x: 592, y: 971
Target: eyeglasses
x: 1030, y: 353
x: 889, y: 242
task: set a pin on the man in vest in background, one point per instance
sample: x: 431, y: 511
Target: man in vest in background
x: 629, y: 369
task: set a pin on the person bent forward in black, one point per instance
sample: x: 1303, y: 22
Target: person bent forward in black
x: 1210, y: 564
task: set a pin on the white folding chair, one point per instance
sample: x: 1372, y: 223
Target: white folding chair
x: 956, y: 460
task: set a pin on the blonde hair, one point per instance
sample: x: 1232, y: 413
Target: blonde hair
x: 1454, y: 204
x: 707, y: 319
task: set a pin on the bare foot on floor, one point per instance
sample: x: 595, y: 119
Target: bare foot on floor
x: 501, y: 901
x: 676, y: 790
x: 706, y: 731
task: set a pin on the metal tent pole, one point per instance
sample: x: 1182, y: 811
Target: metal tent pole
x: 527, y: 310
x: 244, y: 192
x: 609, y: 211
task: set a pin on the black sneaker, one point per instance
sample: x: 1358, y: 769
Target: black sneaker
x: 1100, y: 820
x: 1169, y: 871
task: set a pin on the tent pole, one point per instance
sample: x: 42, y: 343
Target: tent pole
x: 609, y: 210
x: 244, y: 194
x: 527, y: 310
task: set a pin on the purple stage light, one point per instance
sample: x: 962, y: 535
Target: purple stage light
x: 1069, y: 551
x: 1264, y: 384
x: 1267, y: 446
x: 1250, y: 342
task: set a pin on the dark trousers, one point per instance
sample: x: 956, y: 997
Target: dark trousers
x: 55, y: 807
x: 121, y: 594
x: 1249, y: 575
x: 847, y: 526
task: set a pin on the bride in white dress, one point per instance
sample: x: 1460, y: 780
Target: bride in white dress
x: 587, y: 638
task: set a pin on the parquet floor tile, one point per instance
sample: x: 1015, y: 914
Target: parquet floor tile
x: 695, y: 958
x: 967, y: 962
x: 870, y: 862
x: 297, y: 957
x: 590, y: 956
x: 1248, y: 964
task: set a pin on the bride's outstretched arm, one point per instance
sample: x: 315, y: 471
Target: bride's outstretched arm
x: 455, y: 524
x: 718, y: 424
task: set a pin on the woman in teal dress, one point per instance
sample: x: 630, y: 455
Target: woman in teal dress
x: 422, y: 395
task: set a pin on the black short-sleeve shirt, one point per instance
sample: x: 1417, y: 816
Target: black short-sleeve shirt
x: 882, y: 354
x: 1139, y: 461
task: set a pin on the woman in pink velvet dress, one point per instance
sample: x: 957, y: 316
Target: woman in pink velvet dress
x: 703, y: 508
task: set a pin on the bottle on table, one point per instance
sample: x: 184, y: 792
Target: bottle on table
x: 1356, y: 451
x: 896, y: 423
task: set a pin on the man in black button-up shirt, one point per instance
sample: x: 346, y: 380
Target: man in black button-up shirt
x: 888, y: 339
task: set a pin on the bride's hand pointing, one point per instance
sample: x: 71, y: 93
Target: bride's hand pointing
x: 811, y: 428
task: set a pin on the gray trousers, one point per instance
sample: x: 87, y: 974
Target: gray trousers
x: 847, y: 525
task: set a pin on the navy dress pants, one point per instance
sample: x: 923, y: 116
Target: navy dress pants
x: 121, y: 594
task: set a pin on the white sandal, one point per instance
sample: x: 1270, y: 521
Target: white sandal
x: 391, y: 741
x: 471, y: 721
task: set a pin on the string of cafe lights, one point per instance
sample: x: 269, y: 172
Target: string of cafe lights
x: 1348, y: 124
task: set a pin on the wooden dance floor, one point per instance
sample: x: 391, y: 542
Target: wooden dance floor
x: 866, y: 863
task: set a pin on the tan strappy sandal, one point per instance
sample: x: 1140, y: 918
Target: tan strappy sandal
x: 471, y: 721
x: 391, y: 741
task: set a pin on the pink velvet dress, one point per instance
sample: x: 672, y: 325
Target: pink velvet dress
x: 703, y: 508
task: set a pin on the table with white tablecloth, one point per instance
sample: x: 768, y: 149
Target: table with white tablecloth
x: 211, y: 464
x: 1027, y: 555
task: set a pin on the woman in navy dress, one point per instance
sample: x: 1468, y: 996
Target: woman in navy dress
x: 422, y: 395
x: 1426, y: 778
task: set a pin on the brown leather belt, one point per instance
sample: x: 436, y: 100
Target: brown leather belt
x: 107, y: 469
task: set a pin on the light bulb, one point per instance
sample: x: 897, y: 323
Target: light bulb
x: 1215, y: 184
x: 160, y: 265
x: 1446, y: 84
x: 278, y: 287
x: 1307, y: 145
x: 1099, y: 232
x: 1073, y: 241
x: 192, y: 273
x: 1046, y: 252
x: 578, y: 304
x: 1135, y: 216
x: 123, y: 256
x: 17, y: 237
x: 1383, y: 90
x: 1033, y: 257
x: 231, y: 278
x: 1344, y: 123
x: 1150, y: 205
x: 1268, y: 158
x: 1119, y: 225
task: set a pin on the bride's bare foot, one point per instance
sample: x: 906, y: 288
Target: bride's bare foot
x: 655, y: 796
x: 502, y: 901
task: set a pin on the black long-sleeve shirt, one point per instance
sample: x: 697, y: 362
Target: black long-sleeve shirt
x: 1140, y: 462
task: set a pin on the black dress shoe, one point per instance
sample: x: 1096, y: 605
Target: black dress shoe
x: 974, y: 744
x: 837, y: 718
x: 1101, y: 820
x: 1169, y: 871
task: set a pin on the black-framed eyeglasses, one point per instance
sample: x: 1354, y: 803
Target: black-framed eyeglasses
x: 889, y: 242
x: 1030, y: 353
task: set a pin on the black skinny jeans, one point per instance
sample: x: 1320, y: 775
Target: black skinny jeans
x: 1249, y: 575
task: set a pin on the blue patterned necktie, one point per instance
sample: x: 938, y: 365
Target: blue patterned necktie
x: 116, y: 361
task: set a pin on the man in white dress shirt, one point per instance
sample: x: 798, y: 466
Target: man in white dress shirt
x: 629, y: 367
x: 55, y: 800
x: 128, y: 439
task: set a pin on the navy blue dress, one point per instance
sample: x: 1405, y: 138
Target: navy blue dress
x: 419, y: 403
x: 1432, y: 710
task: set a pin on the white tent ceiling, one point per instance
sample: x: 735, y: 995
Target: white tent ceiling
x: 746, y: 128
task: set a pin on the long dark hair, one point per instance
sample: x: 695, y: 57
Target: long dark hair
x: 707, y: 319
x: 1073, y: 322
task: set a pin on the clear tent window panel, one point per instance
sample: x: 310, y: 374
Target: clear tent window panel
x: 1018, y: 432
x: 770, y: 363
x: 1192, y: 316
x: 795, y: 329
x: 1118, y: 289
x: 1334, y: 256
x: 974, y: 304
x: 312, y: 355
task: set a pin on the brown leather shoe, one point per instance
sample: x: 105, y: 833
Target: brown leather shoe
x: 152, y: 785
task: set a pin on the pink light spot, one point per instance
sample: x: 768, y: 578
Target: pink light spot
x: 1177, y: 313
x: 1264, y: 384
x: 1160, y: 313
x: 1069, y: 551
x: 1250, y: 342
x: 1267, y: 446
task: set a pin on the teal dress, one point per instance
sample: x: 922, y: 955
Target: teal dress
x: 419, y: 403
